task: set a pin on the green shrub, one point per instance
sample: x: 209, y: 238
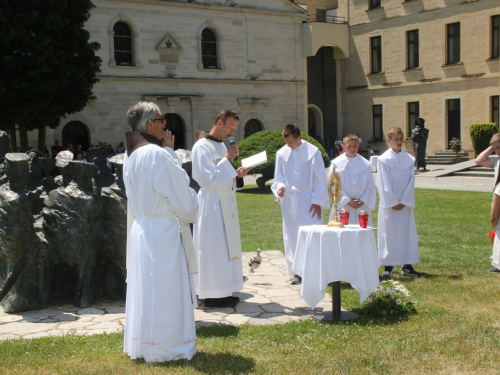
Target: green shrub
x: 480, y: 135
x: 270, y: 141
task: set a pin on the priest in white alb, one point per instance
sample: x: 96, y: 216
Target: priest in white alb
x: 217, y: 229
x: 300, y: 186
x: 358, y: 187
x: 159, y: 312
x: 397, y: 231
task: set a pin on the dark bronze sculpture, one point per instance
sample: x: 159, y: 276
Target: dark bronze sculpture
x: 419, y: 135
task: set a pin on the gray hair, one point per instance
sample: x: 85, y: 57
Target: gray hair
x: 139, y: 114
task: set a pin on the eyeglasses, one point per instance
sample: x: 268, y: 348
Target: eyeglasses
x: 161, y: 119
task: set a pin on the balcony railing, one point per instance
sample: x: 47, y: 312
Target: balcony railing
x: 325, y: 19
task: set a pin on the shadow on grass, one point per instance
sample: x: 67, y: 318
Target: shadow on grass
x: 367, y: 320
x: 218, y: 330
x: 256, y: 190
x: 214, y: 363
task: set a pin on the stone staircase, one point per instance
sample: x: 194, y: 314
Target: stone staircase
x: 447, y: 157
x: 476, y: 171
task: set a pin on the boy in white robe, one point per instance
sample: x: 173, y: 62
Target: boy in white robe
x: 216, y: 231
x: 358, y: 187
x: 301, y: 187
x: 397, y: 232
x: 159, y: 316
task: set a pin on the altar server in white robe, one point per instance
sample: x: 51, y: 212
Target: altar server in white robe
x: 358, y: 187
x: 217, y: 229
x: 300, y: 186
x: 159, y: 314
x: 397, y: 232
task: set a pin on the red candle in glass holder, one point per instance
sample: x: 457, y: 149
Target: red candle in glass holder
x: 363, y: 219
x: 344, y: 217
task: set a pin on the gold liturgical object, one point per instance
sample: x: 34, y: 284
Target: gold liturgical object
x: 335, y: 191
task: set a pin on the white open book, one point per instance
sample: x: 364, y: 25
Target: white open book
x: 254, y: 160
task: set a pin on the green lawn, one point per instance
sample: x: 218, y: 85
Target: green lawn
x: 456, y: 329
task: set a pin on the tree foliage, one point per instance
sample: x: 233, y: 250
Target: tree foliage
x: 480, y: 135
x: 48, y: 66
x: 270, y: 141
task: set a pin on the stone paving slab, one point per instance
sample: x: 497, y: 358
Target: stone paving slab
x: 267, y: 298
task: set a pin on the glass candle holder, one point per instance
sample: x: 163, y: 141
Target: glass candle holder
x: 363, y: 219
x: 344, y: 216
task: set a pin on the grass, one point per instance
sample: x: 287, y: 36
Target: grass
x: 455, y: 330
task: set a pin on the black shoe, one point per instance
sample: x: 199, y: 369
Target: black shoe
x: 220, y: 302
x: 494, y: 270
x: 408, y: 270
x: 296, y: 280
x: 387, y: 271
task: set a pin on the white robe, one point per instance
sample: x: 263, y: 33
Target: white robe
x: 397, y: 232
x: 218, y: 276
x: 495, y: 260
x: 159, y: 316
x: 357, y: 183
x: 302, y: 173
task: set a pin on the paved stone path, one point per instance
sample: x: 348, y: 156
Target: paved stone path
x: 267, y: 298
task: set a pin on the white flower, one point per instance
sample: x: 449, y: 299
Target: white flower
x: 390, y: 312
x: 384, y: 312
x: 398, y: 301
x: 392, y: 293
x: 369, y: 299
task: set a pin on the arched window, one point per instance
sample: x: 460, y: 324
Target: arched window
x: 123, y: 44
x: 176, y: 125
x: 209, y: 49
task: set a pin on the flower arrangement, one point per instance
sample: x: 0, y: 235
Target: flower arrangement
x: 455, y: 145
x: 390, y: 298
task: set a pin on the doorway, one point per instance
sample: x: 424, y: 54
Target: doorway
x: 176, y: 125
x: 454, y: 119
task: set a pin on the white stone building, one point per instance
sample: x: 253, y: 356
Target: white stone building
x: 193, y: 58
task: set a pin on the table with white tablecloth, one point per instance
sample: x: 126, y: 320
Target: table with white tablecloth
x: 329, y: 255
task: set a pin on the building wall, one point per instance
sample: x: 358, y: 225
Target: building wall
x: 262, y: 73
x: 474, y: 80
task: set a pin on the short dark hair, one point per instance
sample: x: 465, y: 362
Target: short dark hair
x: 225, y: 114
x: 291, y: 130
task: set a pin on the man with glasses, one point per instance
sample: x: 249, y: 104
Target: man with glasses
x: 159, y: 316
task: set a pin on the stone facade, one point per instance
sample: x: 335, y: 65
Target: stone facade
x: 473, y: 80
x: 260, y: 74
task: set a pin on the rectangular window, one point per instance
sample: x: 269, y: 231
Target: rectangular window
x: 413, y: 114
x: 412, y: 45
x: 373, y: 4
x: 376, y: 54
x: 377, y: 123
x: 495, y: 109
x: 495, y: 37
x: 453, y: 43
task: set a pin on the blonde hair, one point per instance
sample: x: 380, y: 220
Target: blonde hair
x: 495, y: 139
x: 350, y: 137
x: 394, y: 130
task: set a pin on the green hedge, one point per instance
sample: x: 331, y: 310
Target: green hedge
x: 270, y: 141
x: 480, y: 135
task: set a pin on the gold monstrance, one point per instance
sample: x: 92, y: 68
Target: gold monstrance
x: 335, y: 191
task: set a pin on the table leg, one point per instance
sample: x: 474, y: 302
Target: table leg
x: 337, y: 314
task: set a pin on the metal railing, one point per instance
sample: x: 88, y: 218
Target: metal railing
x: 325, y: 19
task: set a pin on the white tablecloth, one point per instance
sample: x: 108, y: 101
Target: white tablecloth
x: 324, y: 255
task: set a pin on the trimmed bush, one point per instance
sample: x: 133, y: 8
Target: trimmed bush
x: 480, y: 135
x: 270, y: 141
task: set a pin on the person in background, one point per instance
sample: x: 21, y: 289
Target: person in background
x: 488, y: 160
